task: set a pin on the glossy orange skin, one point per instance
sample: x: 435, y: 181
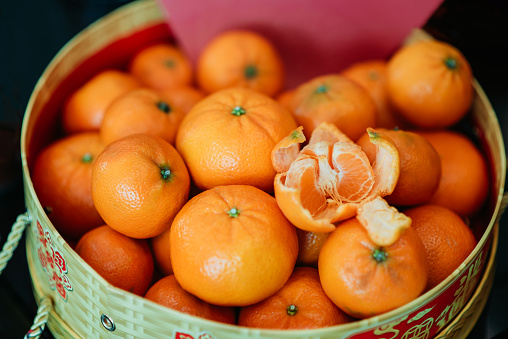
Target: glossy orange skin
x: 182, y: 98
x: 84, y: 109
x: 141, y: 111
x: 129, y: 190
x: 371, y: 75
x: 447, y: 239
x: 161, y: 66
x: 309, y: 245
x: 168, y: 292
x: 362, y: 286
x: 464, y: 183
x: 303, y: 290
x: 430, y: 83
x: 62, y: 179
x: 124, y: 262
x: 335, y: 99
x: 227, y: 59
x: 221, y: 148
x: 162, y: 253
x: 420, y: 167
x: 232, y: 246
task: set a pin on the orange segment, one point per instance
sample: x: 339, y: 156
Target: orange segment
x: 356, y: 176
x: 286, y: 150
x: 303, y: 174
x: 384, y: 224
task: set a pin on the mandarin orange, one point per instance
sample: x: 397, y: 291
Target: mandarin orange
x: 232, y: 246
x: 124, y: 262
x: 62, y: 179
x: 228, y: 137
x: 300, y: 304
x: 139, y: 183
x: 84, y: 109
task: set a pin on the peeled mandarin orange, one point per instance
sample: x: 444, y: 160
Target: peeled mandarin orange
x: 330, y: 178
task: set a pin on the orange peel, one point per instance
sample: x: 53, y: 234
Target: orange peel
x: 286, y: 150
x: 384, y: 223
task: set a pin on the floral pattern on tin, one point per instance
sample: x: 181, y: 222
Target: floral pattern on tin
x: 52, y: 262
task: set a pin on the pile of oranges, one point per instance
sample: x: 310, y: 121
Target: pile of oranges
x: 213, y: 189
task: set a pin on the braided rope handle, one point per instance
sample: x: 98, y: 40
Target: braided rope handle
x: 22, y: 221
x: 40, y: 320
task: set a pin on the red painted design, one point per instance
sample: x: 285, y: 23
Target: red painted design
x: 181, y: 335
x: 52, y: 262
x: 206, y: 336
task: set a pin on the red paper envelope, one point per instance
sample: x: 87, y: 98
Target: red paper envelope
x: 314, y: 37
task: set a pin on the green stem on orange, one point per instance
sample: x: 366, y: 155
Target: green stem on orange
x: 292, y: 310
x: 451, y: 63
x: 237, y: 111
x: 87, y: 158
x: 169, y: 63
x: 379, y: 255
x: 234, y: 212
x: 163, y: 106
x: 251, y: 72
x: 166, y: 173
x: 321, y: 89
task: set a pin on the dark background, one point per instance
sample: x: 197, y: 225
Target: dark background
x: 33, y: 31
